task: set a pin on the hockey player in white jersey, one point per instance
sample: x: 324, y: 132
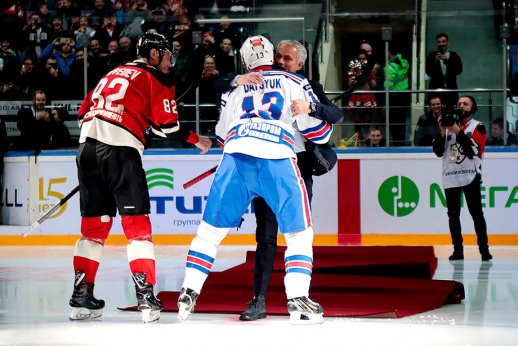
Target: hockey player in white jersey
x: 256, y: 130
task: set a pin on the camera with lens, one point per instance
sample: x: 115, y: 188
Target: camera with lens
x: 450, y: 115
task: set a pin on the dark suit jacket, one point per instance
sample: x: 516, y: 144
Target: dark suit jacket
x: 434, y: 71
x: 35, y: 135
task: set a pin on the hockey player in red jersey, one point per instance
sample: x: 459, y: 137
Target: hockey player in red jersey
x: 114, y: 117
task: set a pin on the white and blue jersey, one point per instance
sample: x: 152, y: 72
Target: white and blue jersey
x: 257, y: 129
x: 257, y: 120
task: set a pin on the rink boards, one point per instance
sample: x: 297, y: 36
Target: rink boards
x: 387, y: 196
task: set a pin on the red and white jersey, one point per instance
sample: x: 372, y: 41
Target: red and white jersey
x: 126, y: 102
x: 257, y: 120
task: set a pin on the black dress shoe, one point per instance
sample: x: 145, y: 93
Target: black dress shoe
x: 256, y: 309
x: 486, y: 256
x: 456, y: 256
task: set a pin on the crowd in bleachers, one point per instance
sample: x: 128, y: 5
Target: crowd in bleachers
x: 43, y: 42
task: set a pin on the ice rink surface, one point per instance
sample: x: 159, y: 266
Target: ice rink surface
x: 36, y: 284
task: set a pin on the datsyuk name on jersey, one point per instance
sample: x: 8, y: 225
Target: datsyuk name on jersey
x: 268, y: 84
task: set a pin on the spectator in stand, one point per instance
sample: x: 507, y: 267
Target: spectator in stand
x: 68, y: 13
x: 110, y: 30
x: 57, y: 30
x: 208, y: 114
x: 225, y: 57
x: 399, y: 100
x: 427, y: 127
x: 120, y: 12
x: 174, y: 9
x: 84, y: 32
x: 10, y: 63
x: 367, y: 47
x: 159, y: 22
x: 183, y: 32
x: 45, y: 16
x: 497, y: 134
x: 375, y: 137
x: 362, y: 105
x: 9, y: 91
x: 97, y: 63
x: 442, y: 68
x: 139, y: 9
x: 102, y: 10
x: 64, y: 50
x: 53, y: 82
x: 28, y: 78
x: 226, y: 29
x: 77, y: 76
x: 35, y: 124
x: 180, y: 69
x: 114, y: 58
x: 127, y: 50
x: 60, y: 134
x: 206, y: 48
x: 36, y: 37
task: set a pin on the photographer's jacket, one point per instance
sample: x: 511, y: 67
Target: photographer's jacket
x: 462, y: 154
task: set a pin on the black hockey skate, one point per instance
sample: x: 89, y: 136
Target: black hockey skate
x: 83, y: 299
x: 148, y: 304
x: 186, y: 303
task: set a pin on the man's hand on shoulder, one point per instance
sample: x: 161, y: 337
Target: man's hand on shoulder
x: 252, y: 78
x: 300, y: 107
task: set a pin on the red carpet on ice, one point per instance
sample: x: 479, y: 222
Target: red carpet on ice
x: 348, y: 281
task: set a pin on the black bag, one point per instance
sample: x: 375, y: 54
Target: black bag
x: 323, y: 157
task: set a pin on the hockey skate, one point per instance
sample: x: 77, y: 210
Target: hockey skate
x: 84, y: 305
x: 305, y: 311
x: 148, y: 304
x: 186, y: 303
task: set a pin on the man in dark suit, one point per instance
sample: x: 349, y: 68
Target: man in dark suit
x: 35, y: 124
x: 443, y: 67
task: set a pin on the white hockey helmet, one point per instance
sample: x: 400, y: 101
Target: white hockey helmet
x: 257, y: 51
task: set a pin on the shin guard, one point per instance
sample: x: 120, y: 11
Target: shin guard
x: 141, y: 252
x: 202, y: 254
x: 88, y: 250
x: 298, y: 263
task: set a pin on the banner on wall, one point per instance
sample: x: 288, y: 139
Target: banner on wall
x: 406, y: 196
x: 174, y: 210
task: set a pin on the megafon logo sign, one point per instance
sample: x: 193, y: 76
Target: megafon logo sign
x: 160, y: 177
x: 398, y: 196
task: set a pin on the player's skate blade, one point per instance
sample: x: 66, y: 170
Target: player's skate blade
x: 150, y: 316
x: 186, y: 303
x: 183, y: 311
x: 299, y: 318
x: 81, y: 314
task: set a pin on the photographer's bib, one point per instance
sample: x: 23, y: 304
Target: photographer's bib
x: 458, y: 169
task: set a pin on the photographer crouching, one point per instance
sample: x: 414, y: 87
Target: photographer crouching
x: 461, y: 144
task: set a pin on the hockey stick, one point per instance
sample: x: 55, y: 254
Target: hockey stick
x: 200, y: 177
x: 48, y: 214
